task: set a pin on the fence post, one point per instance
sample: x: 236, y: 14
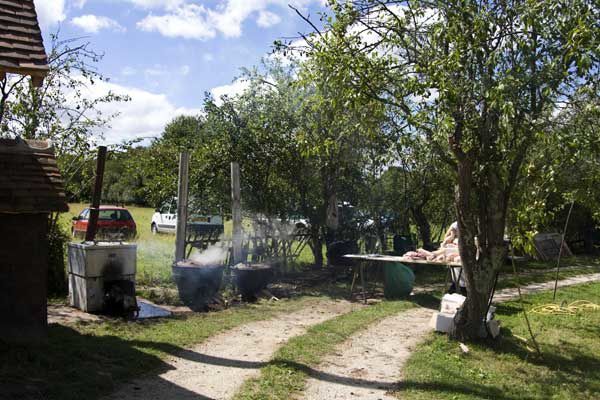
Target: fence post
x: 182, y: 206
x: 236, y: 212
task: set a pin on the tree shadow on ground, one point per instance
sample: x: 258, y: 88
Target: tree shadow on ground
x: 508, y: 309
x: 565, y: 360
x: 475, y: 390
x: 74, y: 366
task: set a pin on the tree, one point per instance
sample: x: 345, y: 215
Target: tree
x: 61, y: 111
x: 562, y: 169
x: 342, y: 135
x: 481, y: 79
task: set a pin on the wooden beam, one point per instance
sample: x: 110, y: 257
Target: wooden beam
x: 37, y: 81
x: 182, y: 206
x: 236, y: 212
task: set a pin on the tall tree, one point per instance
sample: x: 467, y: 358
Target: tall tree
x: 481, y: 79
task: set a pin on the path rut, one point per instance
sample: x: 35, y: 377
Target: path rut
x: 368, y: 366
x: 217, y: 368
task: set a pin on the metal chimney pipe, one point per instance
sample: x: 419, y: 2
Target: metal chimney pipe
x: 90, y: 232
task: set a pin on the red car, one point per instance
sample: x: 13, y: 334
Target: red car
x: 113, y: 223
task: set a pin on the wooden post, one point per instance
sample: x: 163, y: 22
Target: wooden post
x: 236, y: 213
x: 90, y: 232
x: 182, y: 206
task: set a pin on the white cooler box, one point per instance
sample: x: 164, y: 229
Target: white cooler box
x: 92, y: 264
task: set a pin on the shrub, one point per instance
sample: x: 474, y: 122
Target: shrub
x: 58, y: 238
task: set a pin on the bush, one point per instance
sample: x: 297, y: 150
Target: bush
x: 58, y: 238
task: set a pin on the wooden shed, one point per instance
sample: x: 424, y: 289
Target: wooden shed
x: 21, y: 45
x: 30, y: 188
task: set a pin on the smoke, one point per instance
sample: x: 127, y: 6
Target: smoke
x: 213, y: 255
x: 256, y: 236
x: 265, y: 227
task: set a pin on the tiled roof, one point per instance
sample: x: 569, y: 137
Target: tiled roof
x: 30, y: 181
x: 21, y: 45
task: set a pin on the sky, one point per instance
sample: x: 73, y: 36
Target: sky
x: 165, y: 54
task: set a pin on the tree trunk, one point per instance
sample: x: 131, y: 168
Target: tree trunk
x: 423, y: 226
x: 482, y: 216
x: 316, y: 246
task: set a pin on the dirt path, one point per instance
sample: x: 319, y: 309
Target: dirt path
x: 511, y: 293
x: 368, y: 366
x: 217, y: 368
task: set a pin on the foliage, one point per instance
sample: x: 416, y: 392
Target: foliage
x: 154, y: 169
x: 510, y: 369
x: 63, y: 109
x: 480, y: 80
x: 563, y: 169
x: 58, y: 237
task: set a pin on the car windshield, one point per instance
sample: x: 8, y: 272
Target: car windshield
x: 114, y: 215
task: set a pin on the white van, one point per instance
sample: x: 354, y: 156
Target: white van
x: 164, y: 219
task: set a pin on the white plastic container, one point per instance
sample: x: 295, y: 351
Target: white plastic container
x: 451, y: 303
x: 442, y: 322
x: 92, y: 264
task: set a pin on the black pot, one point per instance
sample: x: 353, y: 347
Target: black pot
x: 197, y: 284
x: 337, y: 250
x: 250, y: 279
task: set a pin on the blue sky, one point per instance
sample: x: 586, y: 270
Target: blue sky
x: 166, y: 53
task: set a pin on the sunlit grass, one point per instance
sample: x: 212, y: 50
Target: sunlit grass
x: 156, y: 253
x: 508, y: 368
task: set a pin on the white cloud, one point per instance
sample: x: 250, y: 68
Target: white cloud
x: 208, y: 57
x: 50, y: 12
x: 187, y: 21
x: 144, y: 116
x: 267, y: 19
x: 94, y: 23
x: 184, y: 69
x: 193, y: 21
x: 154, y: 71
x: 234, y: 89
x: 148, y: 4
x: 79, y: 3
x: 128, y: 71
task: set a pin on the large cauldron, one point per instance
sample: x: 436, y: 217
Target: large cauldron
x: 250, y: 279
x: 197, y: 284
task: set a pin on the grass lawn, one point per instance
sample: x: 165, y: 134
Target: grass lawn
x: 288, y: 371
x: 507, y: 370
x: 155, y: 256
x: 531, y: 272
x: 85, y: 361
x: 156, y: 252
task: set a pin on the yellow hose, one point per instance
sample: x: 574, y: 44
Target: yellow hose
x: 564, y: 309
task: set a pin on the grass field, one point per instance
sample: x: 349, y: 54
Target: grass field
x: 155, y: 253
x: 509, y: 369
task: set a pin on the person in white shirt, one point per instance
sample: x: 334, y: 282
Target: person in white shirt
x: 451, y: 241
x: 451, y: 235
